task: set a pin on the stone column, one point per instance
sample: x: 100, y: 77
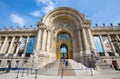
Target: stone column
x: 12, y: 42
x: 118, y: 42
x: 106, y: 54
x: 85, y: 40
x: 44, y: 40
x: 92, y: 44
x: 10, y: 47
x: 112, y: 46
x: 3, y: 46
x: 0, y: 44
x: 48, y: 41
x: 26, y: 43
x: 80, y: 42
x: 18, y: 46
x: 117, y: 37
x: 38, y: 43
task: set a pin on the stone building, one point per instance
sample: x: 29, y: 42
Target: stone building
x: 62, y: 28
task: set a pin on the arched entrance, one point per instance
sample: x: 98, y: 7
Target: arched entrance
x: 64, y: 46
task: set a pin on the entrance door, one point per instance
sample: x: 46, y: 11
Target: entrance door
x: 64, y: 46
x: 63, y: 51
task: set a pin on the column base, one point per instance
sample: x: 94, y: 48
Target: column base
x: 15, y: 55
x: 85, y: 53
x: 106, y: 54
x: 6, y: 55
x: 116, y: 54
x: 23, y: 55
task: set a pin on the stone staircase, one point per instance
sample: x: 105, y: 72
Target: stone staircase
x: 81, y: 69
x: 101, y: 65
x: 50, y: 69
x: 66, y: 71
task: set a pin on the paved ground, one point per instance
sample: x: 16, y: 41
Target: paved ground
x: 52, y: 74
x: 104, y: 74
x: 115, y: 75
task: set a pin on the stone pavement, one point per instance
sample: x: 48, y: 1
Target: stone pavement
x: 54, y: 74
x: 106, y: 75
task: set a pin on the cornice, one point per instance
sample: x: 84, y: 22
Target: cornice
x: 20, y: 30
x: 102, y: 29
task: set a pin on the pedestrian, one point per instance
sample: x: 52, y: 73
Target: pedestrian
x: 66, y: 63
x: 63, y: 60
x: 115, y: 65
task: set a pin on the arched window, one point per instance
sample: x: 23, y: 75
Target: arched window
x: 62, y: 36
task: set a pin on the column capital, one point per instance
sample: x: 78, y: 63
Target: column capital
x: 6, y: 36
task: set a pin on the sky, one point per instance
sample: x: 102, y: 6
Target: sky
x: 29, y: 12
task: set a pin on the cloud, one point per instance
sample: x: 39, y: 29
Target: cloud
x: 36, y: 14
x: 43, y: 1
x: 49, y: 7
x: 17, y: 19
x: 45, y: 6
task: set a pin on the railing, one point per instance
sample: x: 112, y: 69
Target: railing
x: 22, y: 72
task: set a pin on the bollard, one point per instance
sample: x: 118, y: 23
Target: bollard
x: 27, y: 72
x: 86, y: 70
x: 62, y: 73
x: 91, y: 72
x: 49, y: 66
x: 17, y: 74
x: 35, y: 73
x: 31, y: 70
x: 22, y: 73
x: 46, y: 68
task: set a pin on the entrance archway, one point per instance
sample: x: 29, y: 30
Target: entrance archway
x: 64, y: 46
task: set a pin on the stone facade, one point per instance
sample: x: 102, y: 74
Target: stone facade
x: 46, y: 47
